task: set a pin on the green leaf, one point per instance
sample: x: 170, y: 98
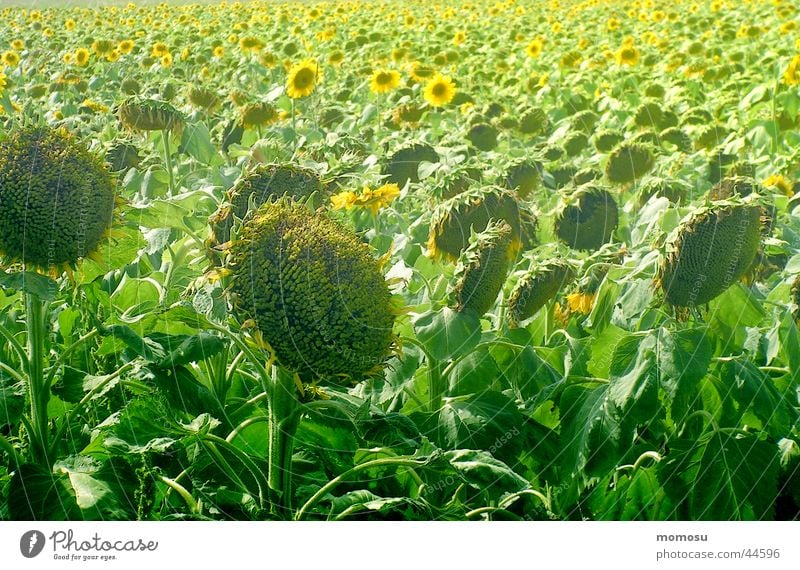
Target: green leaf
x: 526, y: 372
x: 29, y: 282
x: 474, y: 373
x: 488, y: 420
x: 590, y: 430
x: 485, y: 473
x: 35, y: 494
x: 633, y: 378
x: 756, y: 392
x: 722, y: 476
x: 196, y: 142
x: 683, y: 359
x: 195, y: 348
x: 630, y: 496
x: 144, y: 347
x: 447, y: 333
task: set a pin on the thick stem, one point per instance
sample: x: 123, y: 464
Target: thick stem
x: 168, y: 160
x: 283, y: 421
x: 38, y: 388
x: 436, y: 385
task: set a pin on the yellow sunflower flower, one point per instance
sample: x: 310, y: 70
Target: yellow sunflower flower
x: 344, y: 200
x: 384, y: 81
x: 125, y: 47
x: 439, y: 90
x: 781, y: 183
x: 534, y: 48
x: 302, y: 79
x: 580, y: 302
x: 627, y: 55
x: 792, y: 74
x: 10, y: 58
x: 82, y: 56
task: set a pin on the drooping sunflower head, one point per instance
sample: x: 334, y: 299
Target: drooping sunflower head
x: 57, y: 199
x: 143, y: 114
x: 483, y: 136
x: 314, y: 292
x: 734, y: 186
x: 403, y: 165
x: 534, y: 122
x: 203, y: 98
x: 257, y: 114
x: 455, y: 219
x: 259, y: 185
x: 587, y: 218
x: 482, y: 269
x: 710, y: 250
x: 536, y: 287
x: 523, y: 177
x: 673, y: 190
x: 629, y: 162
x: 302, y: 79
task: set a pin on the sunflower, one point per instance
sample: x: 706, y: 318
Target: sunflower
x: 439, y: 90
x: 70, y: 24
x: 159, y: 49
x: 125, y: 47
x: 302, y: 79
x: 580, y: 302
x: 534, y: 48
x: 82, y: 56
x: 384, y: 81
x: 10, y: 58
x: 2, y: 82
x: 420, y: 72
x: 459, y: 38
x: 792, y: 74
x: 166, y: 60
x: 219, y: 52
x: 336, y: 57
x: 776, y: 181
x: 102, y: 47
x: 18, y: 44
x: 344, y: 200
x: 250, y: 43
x: 627, y: 55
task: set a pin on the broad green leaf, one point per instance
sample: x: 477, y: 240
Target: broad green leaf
x: 633, y: 378
x: 196, y: 141
x: 29, y: 282
x: 683, y: 359
x: 474, y: 373
x: 723, y: 476
x: 35, y: 494
x: 447, y: 333
x: 485, y: 473
x: 590, y: 430
x: 488, y: 420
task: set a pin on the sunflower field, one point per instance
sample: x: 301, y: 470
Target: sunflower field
x: 481, y: 260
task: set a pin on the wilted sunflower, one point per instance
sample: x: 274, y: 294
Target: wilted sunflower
x: 142, y: 114
x: 439, y: 91
x: 384, y: 81
x: 302, y: 79
x: 293, y: 274
x: 57, y: 199
x: 257, y: 114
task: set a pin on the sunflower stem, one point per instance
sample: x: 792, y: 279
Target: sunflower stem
x: 38, y: 388
x: 168, y: 160
x: 283, y: 421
